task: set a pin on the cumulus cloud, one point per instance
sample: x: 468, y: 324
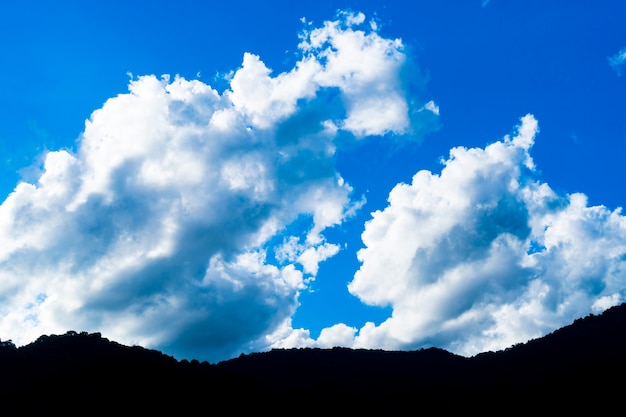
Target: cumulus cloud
x: 484, y: 255
x: 370, y: 77
x: 171, y: 226
x: 336, y: 335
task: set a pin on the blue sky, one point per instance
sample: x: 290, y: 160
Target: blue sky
x: 211, y: 179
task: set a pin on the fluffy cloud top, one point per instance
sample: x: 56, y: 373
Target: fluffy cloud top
x: 169, y: 227
x: 484, y: 255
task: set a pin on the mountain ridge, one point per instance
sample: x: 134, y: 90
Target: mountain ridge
x: 585, y: 359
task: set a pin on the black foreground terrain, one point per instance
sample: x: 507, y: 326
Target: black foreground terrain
x: 580, y: 367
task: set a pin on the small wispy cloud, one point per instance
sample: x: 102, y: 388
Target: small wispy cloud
x: 432, y: 107
x: 618, y: 61
x: 485, y: 3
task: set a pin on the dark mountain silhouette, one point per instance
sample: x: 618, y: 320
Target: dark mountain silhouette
x: 579, y: 368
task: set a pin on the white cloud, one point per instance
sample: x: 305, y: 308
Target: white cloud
x: 306, y: 255
x: 605, y: 302
x: 337, y: 335
x: 483, y: 255
x: 157, y: 230
x: 285, y: 337
x: 431, y: 107
x: 367, y: 68
x: 618, y: 60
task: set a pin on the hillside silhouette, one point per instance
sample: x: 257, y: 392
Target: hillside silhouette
x: 574, y: 368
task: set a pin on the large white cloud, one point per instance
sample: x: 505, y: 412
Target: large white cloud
x: 169, y: 226
x: 484, y: 255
